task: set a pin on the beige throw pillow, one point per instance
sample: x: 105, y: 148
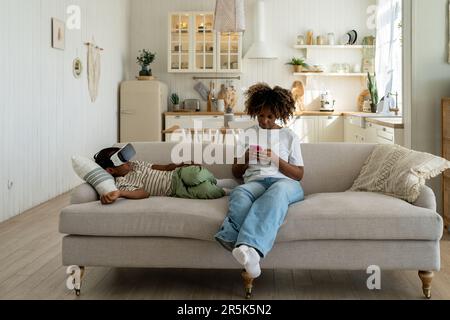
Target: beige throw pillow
x: 398, y: 172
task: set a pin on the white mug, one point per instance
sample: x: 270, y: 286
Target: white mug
x: 221, y: 105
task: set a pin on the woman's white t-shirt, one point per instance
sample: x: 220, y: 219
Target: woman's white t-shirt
x: 283, y: 142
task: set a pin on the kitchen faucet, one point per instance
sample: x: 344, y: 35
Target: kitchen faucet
x: 396, y: 109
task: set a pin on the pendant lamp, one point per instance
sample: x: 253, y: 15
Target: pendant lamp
x: 229, y: 16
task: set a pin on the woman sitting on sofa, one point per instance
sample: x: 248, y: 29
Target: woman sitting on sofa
x: 272, y: 171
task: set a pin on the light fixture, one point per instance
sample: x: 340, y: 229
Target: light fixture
x: 229, y: 16
x: 260, y: 48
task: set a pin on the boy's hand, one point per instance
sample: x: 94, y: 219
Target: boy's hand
x: 110, y: 198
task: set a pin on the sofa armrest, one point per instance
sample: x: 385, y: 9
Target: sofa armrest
x: 83, y: 194
x: 427, y: 199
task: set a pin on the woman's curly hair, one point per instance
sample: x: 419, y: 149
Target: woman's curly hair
x: 278, y: 100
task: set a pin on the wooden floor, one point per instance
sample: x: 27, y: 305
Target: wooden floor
x: 30, y: 268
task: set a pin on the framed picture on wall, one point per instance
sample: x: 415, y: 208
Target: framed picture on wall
x: 58, y: 34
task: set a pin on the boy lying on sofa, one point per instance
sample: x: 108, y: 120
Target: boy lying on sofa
x: 141, y: 180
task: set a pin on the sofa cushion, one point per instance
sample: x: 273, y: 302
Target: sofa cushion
x: 399, y: 172
x: 359, y: 216
x: 340, y: 216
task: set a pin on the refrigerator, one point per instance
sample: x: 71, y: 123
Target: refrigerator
x: 142, y: 108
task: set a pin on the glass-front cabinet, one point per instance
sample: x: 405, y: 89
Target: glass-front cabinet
x: 230, y: 54
x: 180, y: 35
x: 196, y: 48
x: 205, y: 39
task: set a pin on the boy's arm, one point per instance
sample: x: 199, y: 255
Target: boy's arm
x: 172, y: 166
x: 135, y: 195
x: 113, y: 196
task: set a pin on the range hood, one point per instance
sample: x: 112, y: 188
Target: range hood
x: 260, y: 49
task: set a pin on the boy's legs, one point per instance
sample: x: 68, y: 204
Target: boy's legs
x: 241, y: 200
x: 205, y: 190
x: 194, y: 176
x: 195, y: 183
x: 267, y: 214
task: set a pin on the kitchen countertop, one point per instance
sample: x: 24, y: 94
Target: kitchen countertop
x: 304, y: 113
x: 391, y: 122
x: 193, y: 113
x: 395, y: 123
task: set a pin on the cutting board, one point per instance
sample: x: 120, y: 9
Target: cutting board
x: 298, y: 93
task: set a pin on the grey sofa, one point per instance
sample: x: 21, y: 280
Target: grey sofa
x: 331, y: 230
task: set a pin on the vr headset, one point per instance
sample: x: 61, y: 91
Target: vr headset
x: 123, y: 156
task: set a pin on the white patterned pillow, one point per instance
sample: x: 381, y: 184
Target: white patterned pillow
x: 93, y: 174
x: 399, y: 172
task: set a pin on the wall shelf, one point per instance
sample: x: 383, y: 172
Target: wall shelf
x: 329, y: 74
x: 308, y: 75
x: 333, y: 47
x: 307, y: 48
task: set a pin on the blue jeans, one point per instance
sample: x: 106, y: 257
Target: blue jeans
x: 256, y: 212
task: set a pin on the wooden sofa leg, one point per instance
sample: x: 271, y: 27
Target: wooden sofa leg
x: 248, y: 284
x: 75, y: 279
x: 427, y: 278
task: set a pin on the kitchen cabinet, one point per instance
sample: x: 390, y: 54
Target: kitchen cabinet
x: 183, y: 122
x: 306, y: 128
x: 385, y: 135
x: 371, y: 133
x: 198, y: 121
x: 318, y: 129
x: 207, y: 122
x: 353, y: 133
x: 196, y: 48
x: 180, y: 34
x: 330, y: 129
x: 230, y: 52
x: 192, y: 122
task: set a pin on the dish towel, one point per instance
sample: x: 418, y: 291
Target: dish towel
x: 94, y: 70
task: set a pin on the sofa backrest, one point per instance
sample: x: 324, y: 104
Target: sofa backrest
x: 329, y: 167
x: 333, y: 167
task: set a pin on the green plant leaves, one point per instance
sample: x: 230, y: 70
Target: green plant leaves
x: 146, y: 57
x: 297, y: 62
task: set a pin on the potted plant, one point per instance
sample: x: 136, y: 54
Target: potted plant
x: 372, y: 86
x: 145, y: 59
x: 175, y: 99
x: 298, y: 64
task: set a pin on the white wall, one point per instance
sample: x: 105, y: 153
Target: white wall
x: 430, y: 77
x: 45, y: 113
x: 285, y: 20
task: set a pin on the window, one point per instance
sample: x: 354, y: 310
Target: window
x: 389, y: 52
